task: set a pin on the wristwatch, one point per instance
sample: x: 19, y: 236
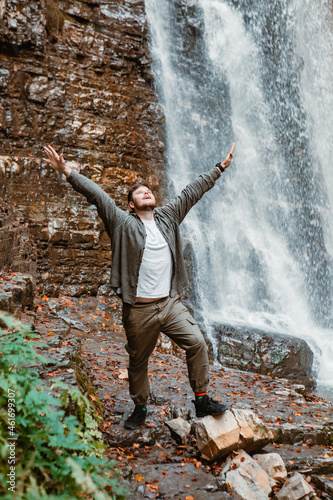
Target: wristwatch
x: 219, y: 166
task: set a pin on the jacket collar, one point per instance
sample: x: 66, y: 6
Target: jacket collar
x: 133, y: 214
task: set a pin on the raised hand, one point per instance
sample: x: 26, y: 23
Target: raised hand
x: 226, y: 162
x: 57, y: 161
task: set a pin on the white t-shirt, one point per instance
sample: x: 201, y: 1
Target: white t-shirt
x: 156, y: 266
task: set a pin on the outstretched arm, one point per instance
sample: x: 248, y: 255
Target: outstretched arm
x: 110, y: 214
x: 193, y: 192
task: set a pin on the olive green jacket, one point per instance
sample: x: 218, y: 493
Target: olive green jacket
x: 127, y: 231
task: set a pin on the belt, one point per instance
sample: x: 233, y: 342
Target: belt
x: 151, y: 301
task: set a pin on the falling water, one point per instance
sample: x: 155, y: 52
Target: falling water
x: 257, y: 73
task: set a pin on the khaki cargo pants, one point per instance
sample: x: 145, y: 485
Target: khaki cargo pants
x: 143, y: 323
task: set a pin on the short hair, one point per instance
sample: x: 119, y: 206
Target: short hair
x: 133, y: 188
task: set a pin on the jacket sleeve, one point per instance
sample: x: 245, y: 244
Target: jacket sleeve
x: 110, y: 214
x: 190, y: 195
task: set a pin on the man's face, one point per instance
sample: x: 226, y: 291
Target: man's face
x: 142, y: 199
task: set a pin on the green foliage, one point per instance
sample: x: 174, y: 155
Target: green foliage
x: 56, y: 455
x: 328, y: 436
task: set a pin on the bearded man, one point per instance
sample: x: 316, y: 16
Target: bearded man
x: 148, y: 273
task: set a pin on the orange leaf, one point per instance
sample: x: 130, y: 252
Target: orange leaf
x: 92, y: 397
x: 152, y: 486
x: 139, y: 478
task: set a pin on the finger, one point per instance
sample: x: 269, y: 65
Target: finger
x: 48, y: 152
x: 49, y: 155
x: 232, y: 148
x: 46, y: 161
x: 53, y: 151
x: 61, y: 158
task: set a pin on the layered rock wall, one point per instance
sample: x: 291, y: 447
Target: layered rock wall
x: 75, y: 74
x: 18, y: 252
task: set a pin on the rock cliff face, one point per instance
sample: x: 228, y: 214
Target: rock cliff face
x: 75, y: 74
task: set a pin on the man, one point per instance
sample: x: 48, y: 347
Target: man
x: 148, y: 272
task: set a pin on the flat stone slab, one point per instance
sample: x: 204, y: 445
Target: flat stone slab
x: 306, y: 458
x: 174, y: 480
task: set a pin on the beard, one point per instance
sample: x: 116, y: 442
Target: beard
x: 145, y: 205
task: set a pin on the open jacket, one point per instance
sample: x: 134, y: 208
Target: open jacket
x: 127, y: 231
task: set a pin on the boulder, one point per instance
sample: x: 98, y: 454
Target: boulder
x: 179, y: 428
x: 273, y: 465
x: 233, y: 430
x: 324, y: 483
x: 17, y: 291
x: 281, y: 355
x: 244, y: 479
x: 295, y: 488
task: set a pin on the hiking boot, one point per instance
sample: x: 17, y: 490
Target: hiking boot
x: 208, y: 406
x: 137, y: 418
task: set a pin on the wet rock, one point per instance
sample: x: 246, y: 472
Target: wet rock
x: 144, y: 435
x: 233, y: 430
x: 184, y: 413
x: 38, y: 89
x: 301, y: 457
x: 325, y: 484
x: 180, y: 429
x: 289, y: 433
x: 76, y: 75
x: 295, y: 488
x: 245, y: 479
x: 298, y: 389
x: 18, y: 251
x: 17, y: 293
x: 273, y: 465
x: 6, y: 302
x: 254, y: 350
x: 177, y: 480
x: 22, y: 24
x: 177, y: 477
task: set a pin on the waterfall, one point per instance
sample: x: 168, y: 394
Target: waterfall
x: 259, y: 75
